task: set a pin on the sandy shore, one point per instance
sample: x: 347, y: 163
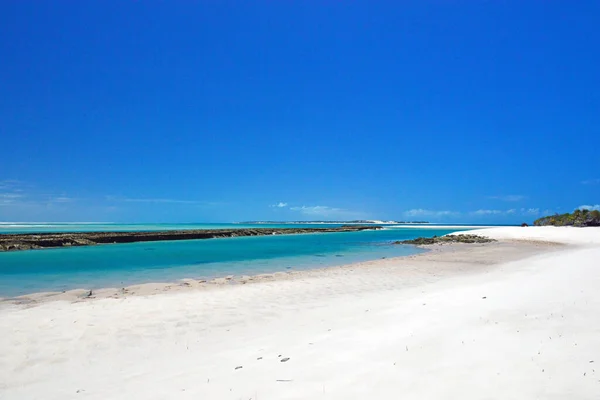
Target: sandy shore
x: 438, y: 261
x: 514, y: 319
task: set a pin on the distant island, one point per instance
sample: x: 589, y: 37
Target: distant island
x: 358, y: 221
x: 579, y: 218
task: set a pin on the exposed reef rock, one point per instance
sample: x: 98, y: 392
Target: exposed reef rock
x: 447, y: 239
x: 28, y: 241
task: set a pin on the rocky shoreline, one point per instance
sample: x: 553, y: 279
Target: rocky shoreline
x: 30, y: 241
x: 423, y: 241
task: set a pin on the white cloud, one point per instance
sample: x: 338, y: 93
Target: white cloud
x: 420, y: 212
x: 510, y: 197
x: 14, y: 195
x: 62, y: 199
x: 10, y: 195
x: 590, y: 207
x: 8, y: 184
x: 175, y: 201
x: 279, y: 205
x: 157, y: 200
x: 512, y: 211
x: 15, y: 199
x: 327, y: 212
x: 488, y: 212
x: 530, y: 211
x: 591, y: 182
x: 10, y: 198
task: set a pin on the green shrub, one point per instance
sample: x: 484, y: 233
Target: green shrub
x: 576, y: 218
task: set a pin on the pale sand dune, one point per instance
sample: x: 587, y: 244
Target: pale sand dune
x: 508, y: 320
x: 566, y: 234
x: 436, y: 226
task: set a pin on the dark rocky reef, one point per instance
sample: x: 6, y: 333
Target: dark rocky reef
x: 28, y: 241
x: 423, y: 241
x: 578, y: 218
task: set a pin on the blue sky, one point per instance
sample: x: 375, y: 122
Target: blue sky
x: 155, y: 111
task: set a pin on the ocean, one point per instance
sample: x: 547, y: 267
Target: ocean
x: 119, y: 265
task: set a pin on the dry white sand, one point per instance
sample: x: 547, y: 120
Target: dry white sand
x: 436, y: 226
x: 508, y: 320
x: 567, y: 235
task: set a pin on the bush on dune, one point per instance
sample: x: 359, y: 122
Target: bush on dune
x: 579, y: 218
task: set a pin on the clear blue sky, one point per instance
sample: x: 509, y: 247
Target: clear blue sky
x: 137, y: 111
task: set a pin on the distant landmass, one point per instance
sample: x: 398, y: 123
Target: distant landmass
x: 358, y: 221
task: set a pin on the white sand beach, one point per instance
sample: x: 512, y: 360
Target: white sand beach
x: 514, y: 319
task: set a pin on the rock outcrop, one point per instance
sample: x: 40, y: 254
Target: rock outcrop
x: 28, y: 241
x: 423, y: 241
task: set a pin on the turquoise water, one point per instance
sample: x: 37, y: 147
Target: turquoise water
x: 118, y: 265
x: 12, y: 227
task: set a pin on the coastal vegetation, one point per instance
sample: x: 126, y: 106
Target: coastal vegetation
x: 579, y: 218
